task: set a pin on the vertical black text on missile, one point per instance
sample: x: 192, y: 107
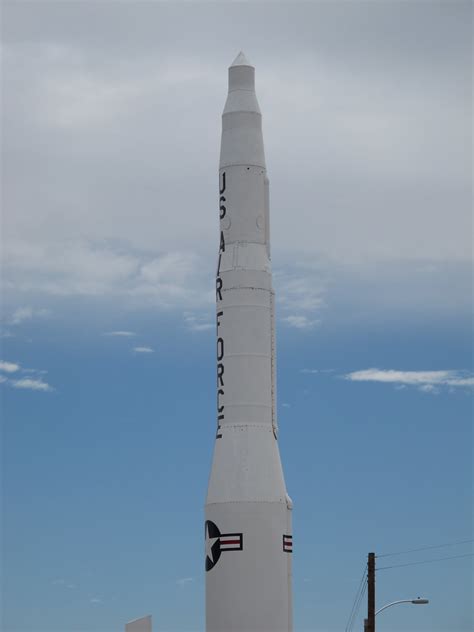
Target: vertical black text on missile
x: 220, y: 313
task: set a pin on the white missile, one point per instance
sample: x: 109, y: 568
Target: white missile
x: 248, y: 511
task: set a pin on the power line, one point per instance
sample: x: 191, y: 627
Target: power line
x: 425, y: 548
x: 360, y: 602
x: 357, y: 606
x: 437, y: 559
x: 357, y: 600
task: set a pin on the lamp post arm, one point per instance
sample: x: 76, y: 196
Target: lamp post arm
x: 394, y: 603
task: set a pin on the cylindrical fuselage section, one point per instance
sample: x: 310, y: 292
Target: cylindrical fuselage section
x: 248, y: 518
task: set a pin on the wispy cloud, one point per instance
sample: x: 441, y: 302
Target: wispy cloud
x: 317, y: 370
x: 300, y: 293
x: 34, y: 371
x: 27, y: 313
x: 143, y: 350
x: 196, y: 322
x: 26, y: 383
x: 95, y: 600
x: 32, y: 384
x: 60, y: 581
x: 426, y: 381
x: 124, y: 334
x: 300, y: 322
x: 9, y: 367
x: 172, y: 279
x: 183, y: 581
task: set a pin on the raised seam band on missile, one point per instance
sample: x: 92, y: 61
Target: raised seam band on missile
x: 247, y: 406
x: 252, y: 355
x: 244, y: 164
x: 241, y: 242
x: 266, y: 308
x: 245, y: 287
x: 231, y: 425
x: 241, y: 164
x: 227, y: 427
x: 241, y: 90
x: 234, y: 502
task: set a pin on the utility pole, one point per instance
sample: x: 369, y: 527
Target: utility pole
x: 369, y: 623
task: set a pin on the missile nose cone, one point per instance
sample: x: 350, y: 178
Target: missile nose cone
x: 241, y: 74
x: 241, y: 60
x: 241, y: 141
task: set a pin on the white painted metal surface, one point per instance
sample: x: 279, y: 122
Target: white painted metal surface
x: 248, y: 512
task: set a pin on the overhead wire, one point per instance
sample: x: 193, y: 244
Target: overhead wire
x: 425, y: 548
x: 437, y: 559
x: 357, y: 600
x: 356, y: 612
x: 363, y: 582
x: 356, y: 609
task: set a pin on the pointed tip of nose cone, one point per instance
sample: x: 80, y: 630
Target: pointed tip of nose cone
x: 241, y: 60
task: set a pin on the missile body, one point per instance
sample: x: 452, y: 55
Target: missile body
x: 248, y: 512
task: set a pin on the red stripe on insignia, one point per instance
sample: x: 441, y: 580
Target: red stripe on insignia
x: 288, y: 543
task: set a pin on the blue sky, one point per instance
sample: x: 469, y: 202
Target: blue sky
x: 108, y: 344
x: 105, y: 476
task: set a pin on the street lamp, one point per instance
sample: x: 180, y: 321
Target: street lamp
x: 417, y: 602
x: 369, y: 623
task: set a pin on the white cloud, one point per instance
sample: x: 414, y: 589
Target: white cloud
x: 184, y: 580
x: 461, y: 381
x: 426, y: 381
x: 301, y: 288
x: 9, y: 367
x: 88, y: 268
x: 300, y: 322
x: 27, y: 313
x: 27, y: 383
x: 143, y: 350
x: 300, y: 293
x: 428, y: 388
x: 77, y: 108
x: 96, y: 600
x: 195, y: 322
x: 32, y: 384
x: 125, y: 334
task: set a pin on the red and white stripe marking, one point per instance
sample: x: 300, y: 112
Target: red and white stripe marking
x: 288, y: 543
x: 230, y: 542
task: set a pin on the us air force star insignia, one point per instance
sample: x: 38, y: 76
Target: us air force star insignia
x: 217, y: 542
x: 209, y: 544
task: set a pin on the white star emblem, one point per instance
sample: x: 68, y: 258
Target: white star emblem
x: 209, y: 544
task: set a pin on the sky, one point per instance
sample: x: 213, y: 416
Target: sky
x: 110, y: 147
